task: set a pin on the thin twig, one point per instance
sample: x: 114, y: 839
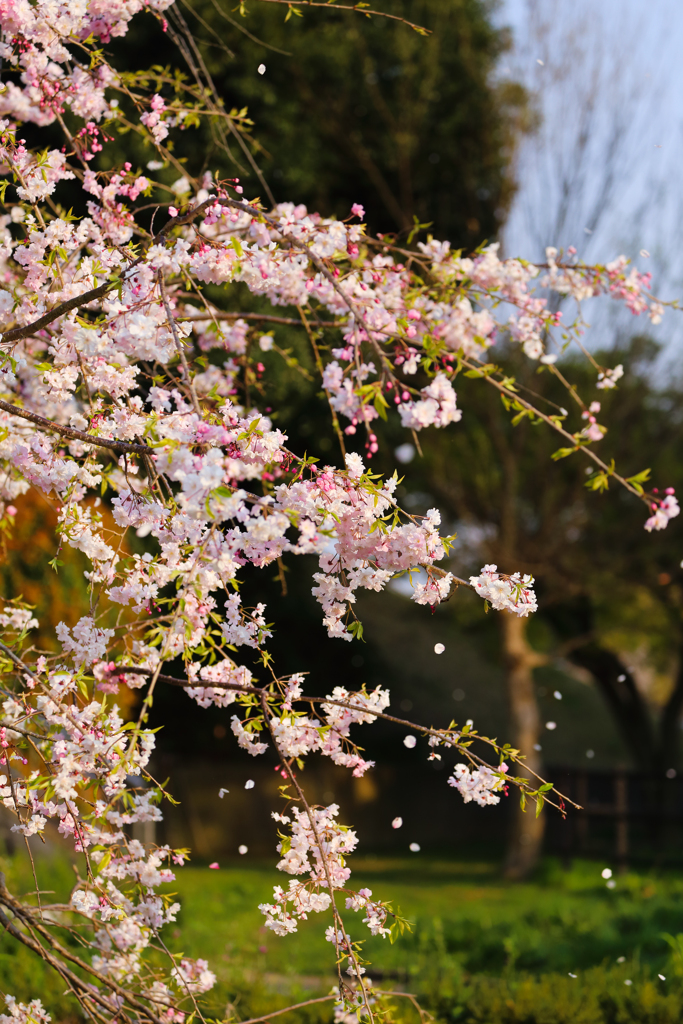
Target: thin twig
x: 178, y: 344
x: 266, y: 317
x: 320, y: 999
x: 319, y: 364
x: 351, y: 7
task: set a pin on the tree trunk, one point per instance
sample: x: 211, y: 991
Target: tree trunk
x: 526, y: 833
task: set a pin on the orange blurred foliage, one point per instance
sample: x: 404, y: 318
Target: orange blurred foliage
x: 55, y: 596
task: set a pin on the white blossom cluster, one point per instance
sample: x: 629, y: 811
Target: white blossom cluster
x: 481, y: 784
x: 506, y: 593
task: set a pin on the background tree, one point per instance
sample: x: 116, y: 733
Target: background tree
x: 348, y: 111
x: 601, y: 595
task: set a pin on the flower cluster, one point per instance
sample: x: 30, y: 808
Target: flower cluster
x: 21, y: 1013
x: 663, y: 510
x: 506, y: 593
x: 481, y: 784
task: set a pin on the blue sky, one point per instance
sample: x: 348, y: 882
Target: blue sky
x: 604, y: 171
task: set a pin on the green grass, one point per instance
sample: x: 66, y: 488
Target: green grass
x: 481, y: 951
x: 565, y: 921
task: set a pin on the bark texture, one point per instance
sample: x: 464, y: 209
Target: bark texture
x: 525, y: 840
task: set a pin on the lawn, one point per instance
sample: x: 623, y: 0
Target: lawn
x: 565, y: 921
x: 481, y: 950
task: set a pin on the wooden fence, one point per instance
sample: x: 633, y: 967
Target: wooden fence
x: 627, y: 817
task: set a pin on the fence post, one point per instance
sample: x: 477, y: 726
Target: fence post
x: 582, y: 816
x: 621, y: 811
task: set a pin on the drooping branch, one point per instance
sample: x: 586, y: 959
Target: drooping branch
x: 120, y: 670
x: 24, y: 914
x: 360, y: 9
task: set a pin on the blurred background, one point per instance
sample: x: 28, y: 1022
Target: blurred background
x: 530, y: 123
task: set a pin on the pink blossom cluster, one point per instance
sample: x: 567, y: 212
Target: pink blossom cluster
x: 663, y: 510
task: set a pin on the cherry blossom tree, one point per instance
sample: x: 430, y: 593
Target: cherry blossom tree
x: 127, y: 379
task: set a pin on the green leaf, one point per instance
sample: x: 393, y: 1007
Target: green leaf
x: 356, y: 629
x: 417, y: 227
x: 598, y: 482
x: 562, y: 453
x: 638, y: 479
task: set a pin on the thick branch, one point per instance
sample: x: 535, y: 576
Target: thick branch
x: 124, y: 447
x: 17, y: 333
